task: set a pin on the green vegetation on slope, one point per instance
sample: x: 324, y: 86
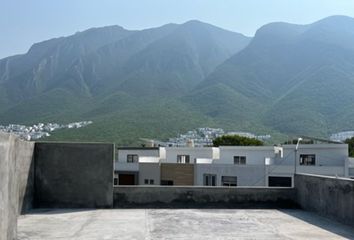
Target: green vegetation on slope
x: 156, y: 83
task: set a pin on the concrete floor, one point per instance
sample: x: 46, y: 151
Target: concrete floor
x: 179, y: 224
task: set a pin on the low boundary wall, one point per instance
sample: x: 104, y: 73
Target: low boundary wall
x: 328, y: 196
x: 179, y: 196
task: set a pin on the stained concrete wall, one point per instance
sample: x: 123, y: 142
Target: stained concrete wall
x: 25, y: 174
x: 329, y: 196
x: 71, y: 175
x: 8, y: 189
x: 152, y: 196
x: 15, y: 193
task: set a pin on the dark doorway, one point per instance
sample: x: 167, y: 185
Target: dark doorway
x: 279, y: 181
x: 166, y: 182
x: 126, y: 179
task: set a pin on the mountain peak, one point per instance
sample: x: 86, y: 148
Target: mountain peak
x: 194, y: 21
x: 100, y: 29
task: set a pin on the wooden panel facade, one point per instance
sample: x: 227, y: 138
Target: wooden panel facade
x: 179, y: 174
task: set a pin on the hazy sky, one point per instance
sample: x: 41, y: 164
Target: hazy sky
x: 24, y: 22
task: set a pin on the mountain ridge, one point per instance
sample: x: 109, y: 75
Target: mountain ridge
x: 287, y: 79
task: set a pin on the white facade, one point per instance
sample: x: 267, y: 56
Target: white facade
x: 252, y: 175
x: 262, y: 162
x: 149, y: 173
x: 143, y: 155
x: 248, y: 165
x: 193, y: 153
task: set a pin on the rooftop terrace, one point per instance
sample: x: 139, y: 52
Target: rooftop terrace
x: 41, y: 183
x: 179, y: 224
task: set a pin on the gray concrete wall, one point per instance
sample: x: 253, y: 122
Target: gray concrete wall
x: 25, y: 174
x: 15, y: 193
x: 8, y: 189
x: 329, y: 196
x: 152, y: 196
x: 71, y: 175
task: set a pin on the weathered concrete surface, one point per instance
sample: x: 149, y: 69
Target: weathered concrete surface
x: 179, y: 224
x: 71, y: 175
x: 329, y: 196
x: 8, y: 188
x: 25, y: 174
x: 156, y: 196
x: 15, y: 194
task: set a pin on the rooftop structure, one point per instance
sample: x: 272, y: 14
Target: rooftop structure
x: 41, y: 183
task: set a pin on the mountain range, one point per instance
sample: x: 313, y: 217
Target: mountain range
x: 154, y: 83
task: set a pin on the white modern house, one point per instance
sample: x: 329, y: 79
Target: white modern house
x: 272, y: 166
x: 231, y: 165
x: 236, y: 166
x: 135, y: 166
x: 321, y: 159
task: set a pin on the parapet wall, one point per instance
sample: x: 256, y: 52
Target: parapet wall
x: 51, y: 175
x: 166, y: 196
x: 328, y: 196
x: 73, y: 175
x: 16, y: 182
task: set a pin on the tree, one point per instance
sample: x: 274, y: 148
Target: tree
x: 350, y: 142
x: 236, y: 140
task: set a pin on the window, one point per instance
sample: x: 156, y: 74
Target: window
x: 115, y: 181
x: 230, y: 181
x: 132, y: 158
x: 183, y: 159
x: 166, y: 182
x: 241, y: 160
x: 149, y: 181
x: 279, y: 181
x: 209, y: 180
x: 307, y: 159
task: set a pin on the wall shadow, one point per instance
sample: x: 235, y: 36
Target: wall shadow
x: 327, y: 224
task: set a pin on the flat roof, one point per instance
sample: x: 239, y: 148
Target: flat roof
x: 130, y: 224
x: 137, y: 148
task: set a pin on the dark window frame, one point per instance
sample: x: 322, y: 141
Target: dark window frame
x: 307, y: 159
x: 132, y: 158
x: 183, y: 159
x: 209, y: 179
x: 240, y: 160
x: 226, y: 181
